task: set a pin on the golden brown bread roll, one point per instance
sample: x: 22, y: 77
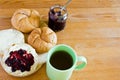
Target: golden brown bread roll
x: 42, y: 39
x: 25, y: 20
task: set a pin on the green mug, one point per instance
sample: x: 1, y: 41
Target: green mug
x: 55, y: 67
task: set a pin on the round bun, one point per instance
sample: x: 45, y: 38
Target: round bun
x: 19, y: 73
x: 42, y: 39
x: 25, y: 20
x: 10, y: 37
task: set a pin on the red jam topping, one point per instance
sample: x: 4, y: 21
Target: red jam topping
x: 20, y: 60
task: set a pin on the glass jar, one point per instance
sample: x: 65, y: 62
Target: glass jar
x: 57, y: 18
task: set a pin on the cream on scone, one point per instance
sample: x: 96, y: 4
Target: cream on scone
x: 21, y: 60
x: 10, y: 37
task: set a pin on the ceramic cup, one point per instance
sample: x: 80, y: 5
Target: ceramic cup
x: 57, y: 73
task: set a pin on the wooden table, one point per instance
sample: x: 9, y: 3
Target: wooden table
x: 93, y: 30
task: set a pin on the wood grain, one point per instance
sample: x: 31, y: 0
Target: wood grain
x: 92, y: 29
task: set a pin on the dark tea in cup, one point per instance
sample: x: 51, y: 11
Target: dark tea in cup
x: 61, y: 60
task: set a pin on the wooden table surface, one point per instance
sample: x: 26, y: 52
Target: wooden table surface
x: 92, y: 29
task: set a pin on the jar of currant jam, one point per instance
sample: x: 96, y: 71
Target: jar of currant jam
x: 57, y: 18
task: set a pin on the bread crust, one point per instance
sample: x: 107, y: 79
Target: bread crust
x: 42, y: 39
x: 25, y: 20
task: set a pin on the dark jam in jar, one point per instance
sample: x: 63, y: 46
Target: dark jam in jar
x: 57, y: 18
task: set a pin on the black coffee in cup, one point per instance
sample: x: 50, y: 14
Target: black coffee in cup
x: 61, y: 60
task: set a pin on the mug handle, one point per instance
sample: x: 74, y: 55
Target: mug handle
x: 83, y: 64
